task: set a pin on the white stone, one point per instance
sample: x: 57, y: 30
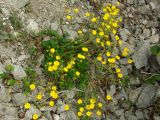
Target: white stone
x: 18, y: 72
x: 32, y: 26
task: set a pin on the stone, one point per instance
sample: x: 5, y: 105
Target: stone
x: 139, y: 115
x: 146, y: 97
x: 154, y: 38
x: 156, y: 117
x: 133, y: 94
x: 70, y: 115
x: 158, y: 59
x: 140, y: 57
x: 19, y: 99
x: 145, y: 9
x: 32, y: 26
x: 17, y: 3
x: 5, y: 12
x: 4, y: 94
x: 134, y: 81
x: 153, y: 6
x: 124, y: 34
x: 31, y: 111
x: 146, y: 33
x: 56, y: 117
x: 55, y: 26
x: 18, y: 72
x: 8, y: 112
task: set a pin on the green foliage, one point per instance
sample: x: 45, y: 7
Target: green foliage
x: 9, y: 67
x: 155, y: 50
x: 153, y: 79
x: 15, y: 21
x: 67, y: 50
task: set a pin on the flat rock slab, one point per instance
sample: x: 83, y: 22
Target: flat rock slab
x: 146, y: 98
x: 17, y: 3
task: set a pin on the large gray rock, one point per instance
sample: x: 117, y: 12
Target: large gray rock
x: 8, y: 112
x: 31, y: 111
x: 18, y: 72
x: 146, y: 98
x: 4, y: 94
x: 154, y: 38
x: 140, y: 57
x: 70, y: 115
x: 124, y: 33
x: 19, y: 98
x: 32, y: 26
x: 133, y: 94
x: 17, y: 3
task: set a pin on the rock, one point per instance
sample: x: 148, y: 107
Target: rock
x: 158, y: 59
x: 158, y: 93
x: 119, y: 112
x: 70, y: 115
x: 146, y: 97
x: 43, y: 118
x: 19, y: 99
x: 153, y: 6
x: 156, y: 117
x: 56, y: 117
x: 124, y: 34
x: 31, y: 111
x: 17, y: 3
x: 154, y: 38
x: 145, y: 9
x: 140, y: 57
x: 32, y: 26
x: 5, y: 12
x: 4, y: 94
x: 8, y: 112
x: 18, y: 72
x: 139, y: 115
x: 55, y: 26
x: 134, y: 81
x: 133, y: 94
x: 146, y: 33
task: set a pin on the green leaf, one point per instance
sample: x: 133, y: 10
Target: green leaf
x: 155, y: 50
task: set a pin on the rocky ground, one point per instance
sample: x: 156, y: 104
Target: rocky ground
x: 140, y: 31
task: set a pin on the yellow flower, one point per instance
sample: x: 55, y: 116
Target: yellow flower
x: 98, y: 40
x: 126, y: 49
x: 108, y: 54
x: 85, y: 49
x: 114, y: 31
x: 32, y: 86
x: 35, y: 117
x: 49, y: 63
x: 120, y: 75
x: 117, y: 37
x: 108, y: 43
x: 88, y: 113
x: 39, y: 96
x: 80, y: 32
x: 66, y: 107
x: 51, y: 103
x: 125, y: 53
x: 52, y: 50
x: 111, y: 60
x: 54, y: 67
x: 69, y: 66
x: 79, y: 114
x: 117, y: 57
x: 65, y: 69
x: 120, y: 42
x: 87, y: 14
x: 81, y: 109
x: 108, y: 97
x: 94, y: 19
x: 104, y: 10
x: 81, y: 56
x: 50, y: 68
x: 76, y: 10
x: 94, y: 32
x: 108, y: 27
x: 99, y: 58
x: 92, y: 100
x: 54, y: 88
x: 101, y: 33
x: 88, y: 107
x: 118, y: 70
x: 99, y: 113
x: 79, y: 101
x: 92, y: 106
x: 27, y: 106
x: 100, y: 105
x: 58, y: 58
x: 53, y: 94
x: 130, y: 61
x: 56, y: 63
x: 103, y: 62
x: 115, y: 24
x: 106, y: 16
x: 68, y: 17
x: 78, y: 73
